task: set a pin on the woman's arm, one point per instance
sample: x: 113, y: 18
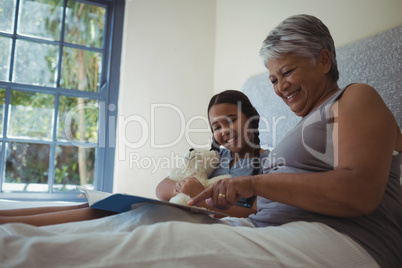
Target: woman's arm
x: 364, y: 137
x: 233, y: 211
x: 167, y: 188
x: 192, y: 187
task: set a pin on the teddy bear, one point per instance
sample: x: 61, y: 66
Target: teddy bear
x: 198, y: 163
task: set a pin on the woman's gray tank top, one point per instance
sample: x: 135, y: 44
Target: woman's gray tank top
x: 308, y: 148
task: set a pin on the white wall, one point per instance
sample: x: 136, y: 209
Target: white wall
x: 179, y: 52
x: 243, y: 25
x: 167, y: 59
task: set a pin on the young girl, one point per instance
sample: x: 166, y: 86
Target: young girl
x: 234, y: 124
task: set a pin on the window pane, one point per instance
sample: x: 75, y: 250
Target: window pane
x: 35, y: 63
x: 59, y: 44
x: 84, y: 24
x: 74, y: 166
x: 31, y: 115
x: 81, y: 69
x: 7, y: 13
x: 5, y: 53
x: 42, y: 19
x: 78, y: 119
x: 2, y: 102
x: 27, y: 167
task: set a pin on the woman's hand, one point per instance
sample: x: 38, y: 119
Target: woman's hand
x: 225, y: 193
x: 189, y: 186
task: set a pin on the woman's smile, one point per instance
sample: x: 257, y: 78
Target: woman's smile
x: 300, y: 83
x: 290, y: 97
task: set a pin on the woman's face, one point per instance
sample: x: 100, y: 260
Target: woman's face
x: 230, y: 128
x: 300, y: 84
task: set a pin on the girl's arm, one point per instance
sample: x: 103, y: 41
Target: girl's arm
x: 39, y: 210
x: 57, y: 217
x: 166, y: 189
x: 364, y: 137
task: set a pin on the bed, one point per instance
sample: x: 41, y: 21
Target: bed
x: 112, y: 243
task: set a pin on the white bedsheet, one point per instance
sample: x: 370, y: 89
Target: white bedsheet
x: 128, y: 240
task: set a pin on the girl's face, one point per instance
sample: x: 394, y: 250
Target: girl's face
x: 300, y: 84
x: 231, y: 128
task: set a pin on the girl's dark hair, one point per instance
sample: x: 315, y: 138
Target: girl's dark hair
x: 239, y: 99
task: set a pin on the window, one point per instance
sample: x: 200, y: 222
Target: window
x: 59, y: 80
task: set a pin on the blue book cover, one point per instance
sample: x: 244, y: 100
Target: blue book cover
x: 123, y: 202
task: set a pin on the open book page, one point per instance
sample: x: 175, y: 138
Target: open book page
x: 122, y: 202
x: 193, y: 209
x: 93, y: 196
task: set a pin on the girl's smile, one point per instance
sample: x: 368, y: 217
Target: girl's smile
x: 230, y: 128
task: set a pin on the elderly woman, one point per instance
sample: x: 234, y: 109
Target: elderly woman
x: 339, y: 171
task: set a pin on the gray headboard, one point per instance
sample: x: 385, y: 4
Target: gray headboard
x: 376, y: 61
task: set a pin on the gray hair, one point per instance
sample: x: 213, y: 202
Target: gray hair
x: 301, y: 35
